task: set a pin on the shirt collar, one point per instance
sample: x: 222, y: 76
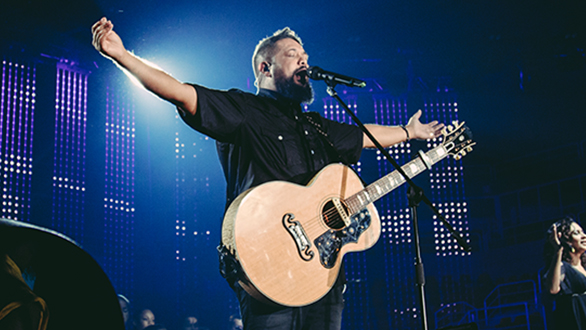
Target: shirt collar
x: 291, y: 107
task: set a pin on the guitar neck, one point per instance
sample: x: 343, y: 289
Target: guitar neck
x: 389, y: 182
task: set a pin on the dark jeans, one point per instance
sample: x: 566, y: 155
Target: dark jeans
x: 325, y: 314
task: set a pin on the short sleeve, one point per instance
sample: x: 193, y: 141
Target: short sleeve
x: 219, y: 114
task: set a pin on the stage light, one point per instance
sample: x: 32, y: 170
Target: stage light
x: 119, y: 182
x: 17, y: 105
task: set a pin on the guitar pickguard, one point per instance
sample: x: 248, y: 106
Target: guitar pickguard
x: 329, y: 243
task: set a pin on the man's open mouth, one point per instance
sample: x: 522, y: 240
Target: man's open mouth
x: 301, y: 76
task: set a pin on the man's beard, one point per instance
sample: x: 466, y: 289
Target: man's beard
x: 288, y: 88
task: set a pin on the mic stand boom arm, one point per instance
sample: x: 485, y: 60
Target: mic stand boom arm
x: 415, y: 195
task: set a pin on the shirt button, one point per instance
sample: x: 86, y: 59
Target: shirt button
x: 312, y: 152
x: 306, y: 133
x: 296, y: 118
x: 280, y: 137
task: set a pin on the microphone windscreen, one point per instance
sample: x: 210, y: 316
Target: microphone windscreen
x: 313, y: 72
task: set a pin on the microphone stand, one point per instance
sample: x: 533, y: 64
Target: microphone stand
x: 415, y: 195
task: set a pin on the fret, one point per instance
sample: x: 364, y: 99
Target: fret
x: 378, y: 189
x: 413, y: 169
x: 366, y: 195
x: 392, y: 181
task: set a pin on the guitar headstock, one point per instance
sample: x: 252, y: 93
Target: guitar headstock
x: 457, y: 140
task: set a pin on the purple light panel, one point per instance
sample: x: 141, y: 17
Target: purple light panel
x: 69, y: 151
x: 119, y: 194
x: 17, y: 105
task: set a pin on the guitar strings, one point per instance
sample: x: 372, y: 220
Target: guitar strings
x: 329, y: 213
x: 351, y: 201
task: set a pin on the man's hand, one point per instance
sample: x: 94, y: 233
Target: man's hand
x: 106, y: 41
x: 109, y: 44
x: 420, y: 131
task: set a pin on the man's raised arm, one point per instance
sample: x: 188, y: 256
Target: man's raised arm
x: 109, y: 44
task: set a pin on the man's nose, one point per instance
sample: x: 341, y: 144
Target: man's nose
x: 303, y: 61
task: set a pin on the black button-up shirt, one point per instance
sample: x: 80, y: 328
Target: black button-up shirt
x: 267, y: 137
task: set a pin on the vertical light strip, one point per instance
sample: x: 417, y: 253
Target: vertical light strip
x: 16, y: 126
x: 448, y: 195
x: 192, y: 235
x: 396, y: 223
x: 447, y: 184
x: 333, y: 111
x: 68, y: 210
x: 119, y: 188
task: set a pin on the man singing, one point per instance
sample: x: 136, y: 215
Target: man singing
x: 266, y: 137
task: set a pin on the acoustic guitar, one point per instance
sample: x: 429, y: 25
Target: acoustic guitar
x: 290, y: 239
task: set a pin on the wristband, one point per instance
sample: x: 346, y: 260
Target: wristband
x: 406, y: 131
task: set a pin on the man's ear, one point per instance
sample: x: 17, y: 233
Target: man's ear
x: 265, y: 68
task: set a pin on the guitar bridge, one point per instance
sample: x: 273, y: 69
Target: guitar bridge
x: 299, y: 236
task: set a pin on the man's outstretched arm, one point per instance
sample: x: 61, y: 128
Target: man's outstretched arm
x: 109, y: 44
x: 391, y: 135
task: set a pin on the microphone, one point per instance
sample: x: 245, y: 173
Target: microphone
x: 317, y: 73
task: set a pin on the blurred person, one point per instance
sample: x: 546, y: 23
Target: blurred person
x: 20, y: 307
x: 235, y: 322
x: 266, y: 137
x: 156, y: 327
x: 190, y: 323
x: 565, y: 279
x: 125, y: 308
x: 144, y: 319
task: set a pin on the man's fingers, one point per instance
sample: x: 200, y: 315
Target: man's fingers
x: 98, y: 23
x: 98, y: 38
x: 101, y: 31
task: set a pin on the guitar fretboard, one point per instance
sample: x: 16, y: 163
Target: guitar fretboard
x: 386, y: 184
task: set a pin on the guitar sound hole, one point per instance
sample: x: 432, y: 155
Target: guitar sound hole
x: 332, y: 217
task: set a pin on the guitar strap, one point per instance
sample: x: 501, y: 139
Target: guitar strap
x: 323, y: 135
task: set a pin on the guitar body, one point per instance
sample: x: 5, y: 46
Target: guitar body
x: 288, y: 240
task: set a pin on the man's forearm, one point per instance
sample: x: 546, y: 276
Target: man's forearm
x: 385, y: 135
x: 159, y: 82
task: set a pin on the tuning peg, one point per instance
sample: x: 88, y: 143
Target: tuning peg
x: 463, y: 153
x: 450, y: 128
x: 455, y: 123
x: 469, y: 149
x: 457, y: 157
